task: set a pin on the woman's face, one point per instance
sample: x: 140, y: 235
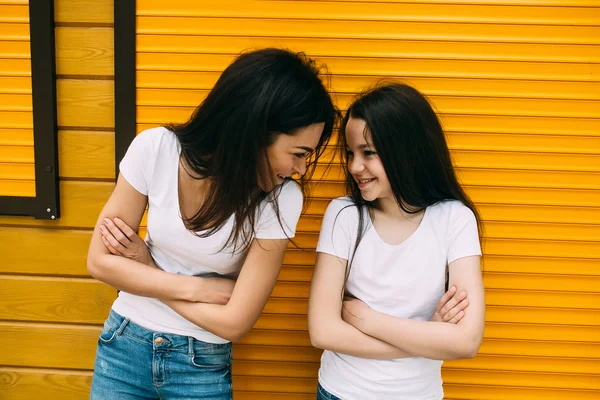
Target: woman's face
x: 287, y: 154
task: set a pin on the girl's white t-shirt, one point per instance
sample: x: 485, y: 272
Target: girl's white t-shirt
x: 151, y: 166
x: 405, y: 280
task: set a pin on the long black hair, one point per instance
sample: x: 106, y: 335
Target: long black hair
x: 411, y: 145
x: 262, y: 94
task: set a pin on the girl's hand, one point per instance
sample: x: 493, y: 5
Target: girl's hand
x: 451, y: 307
x: 121, y: 240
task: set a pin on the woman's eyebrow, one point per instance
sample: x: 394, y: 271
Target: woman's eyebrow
x: 305, y: 148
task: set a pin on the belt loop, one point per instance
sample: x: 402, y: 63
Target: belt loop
x: 123, y: 325
x: 190, y: 346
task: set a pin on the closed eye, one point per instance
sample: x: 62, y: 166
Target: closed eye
x: 301, y: 155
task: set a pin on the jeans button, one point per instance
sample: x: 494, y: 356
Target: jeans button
x: 158, y: 340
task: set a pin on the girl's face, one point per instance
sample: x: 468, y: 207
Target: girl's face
x: 364, y: 164
x: 287, y: 154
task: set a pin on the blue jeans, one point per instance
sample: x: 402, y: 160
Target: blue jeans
x: 323, y: 394
x: 133, y: 362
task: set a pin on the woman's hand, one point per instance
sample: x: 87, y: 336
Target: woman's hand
x: 450, y: 309
x: 121, y: 240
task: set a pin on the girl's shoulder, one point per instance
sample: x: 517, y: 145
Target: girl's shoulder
x: 450, y: 212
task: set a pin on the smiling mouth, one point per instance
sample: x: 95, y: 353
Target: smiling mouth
x: 364, y: 181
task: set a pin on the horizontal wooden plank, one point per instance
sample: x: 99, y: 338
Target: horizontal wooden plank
x: 18, y: 67
x: 515, y: 142
x: 84, y: 11
x: 46, y: 251
x: 17, y: 154
x: 16, y: 137
x: 429, y: 12
x: 17, y: 188
x: 15, y: 30
x: 55, y: 299
x: 16, y: 171
x: 16, y: 102
x: 16, y: 119
x: 350, y: 29
x: 539, y: 364
x: 14, y: 13
x: 15, y: 85
x: 28, y: 383
x: 540, y: 265
x: 476, y: 392
x: 48, y: 345
x: 86, y: 154
x: 84, y: 51
x: 15, y: 49
x: 539, y: 3
x: 185, y: 63
x: 542, y: 281
x: 85, y: 103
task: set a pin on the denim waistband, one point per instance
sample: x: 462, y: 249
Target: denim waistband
x: 159, y: 340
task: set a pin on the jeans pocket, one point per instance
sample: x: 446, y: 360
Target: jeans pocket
x: 211, y: 355
x: 108, y: 333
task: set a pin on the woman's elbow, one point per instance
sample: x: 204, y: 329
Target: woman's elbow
x: 96, y: 266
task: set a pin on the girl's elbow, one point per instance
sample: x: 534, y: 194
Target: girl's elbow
x: 470, y: 348
x: 318, y: 337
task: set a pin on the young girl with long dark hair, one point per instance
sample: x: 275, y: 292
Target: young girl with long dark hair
x: 386, y: 253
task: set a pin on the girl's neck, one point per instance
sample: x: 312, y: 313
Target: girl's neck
x: 391, y: 209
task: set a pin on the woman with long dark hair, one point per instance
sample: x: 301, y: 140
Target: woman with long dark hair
x: 388, y: 250
x: 221, y: 209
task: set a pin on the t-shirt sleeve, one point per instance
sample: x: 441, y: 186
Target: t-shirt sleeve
x: 138, y: 164
x: 289, y: 201
x: 336, y: 237
x: 463, y: 236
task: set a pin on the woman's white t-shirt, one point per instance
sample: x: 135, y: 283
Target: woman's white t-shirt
x: 151, y: 166
x: 405, y: 280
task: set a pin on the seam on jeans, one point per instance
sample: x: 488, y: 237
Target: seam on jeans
x: 324, y: 393
x: 136, y: 339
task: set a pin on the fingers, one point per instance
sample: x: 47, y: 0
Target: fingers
x: 111, y: 242
x: 116, y: 233
x: 457, y: 317
x: 108, y: 245
x: 450, y: 304
x: 130, y: 233
x: 447, y: 296
x: 459, y: 309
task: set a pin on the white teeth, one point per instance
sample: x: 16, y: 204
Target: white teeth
x: 366, y: 180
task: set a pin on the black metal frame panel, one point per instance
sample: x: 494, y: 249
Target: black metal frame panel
x: 46, y: 203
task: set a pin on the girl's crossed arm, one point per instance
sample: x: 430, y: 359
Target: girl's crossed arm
x: 434, y: 340
x: 329, y: 331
